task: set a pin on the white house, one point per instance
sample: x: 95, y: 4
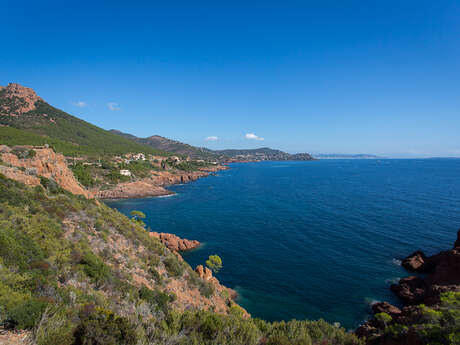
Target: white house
x: 125, y: 172
x: 139, y: 157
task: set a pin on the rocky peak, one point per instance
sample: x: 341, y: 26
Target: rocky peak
x: 21, y: 99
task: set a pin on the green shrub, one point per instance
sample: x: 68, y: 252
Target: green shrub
x: 157, y: 297
x: 103, y: 327
x: 214, y: 263
x: 206, y: 289
x: 27, y: 314
x: 95, y: 268
x: 83, y: 174
x: 174, y: 267
x: 50, y: 185
x: 55, y: 328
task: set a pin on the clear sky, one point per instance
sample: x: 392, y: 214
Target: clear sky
x: 338, y: 76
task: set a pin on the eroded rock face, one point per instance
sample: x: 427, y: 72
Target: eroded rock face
x: 45, y: 163
x: 20, y: 176
x: 174, y: 242
x: 22, y: 98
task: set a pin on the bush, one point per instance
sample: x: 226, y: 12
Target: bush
x: 157, y: 297
x: 50, y: 185
x: 103, y: 327
x: 95, y: 268
x: 83, y: 175
x: 174, y: 267
x: 55, y: 328
x: 206, y: 289
x: 28, y: 313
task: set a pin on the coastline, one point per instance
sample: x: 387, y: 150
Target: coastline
x: 154, y: 186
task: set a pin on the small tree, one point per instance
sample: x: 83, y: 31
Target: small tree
x: 384, y: 317
x: 137, y: 216
x: 214, y: 263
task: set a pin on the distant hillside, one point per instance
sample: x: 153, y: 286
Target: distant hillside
x: 26, y: 119
x: 345, y: 156
x: 161, y: 143
x: 176, y: 147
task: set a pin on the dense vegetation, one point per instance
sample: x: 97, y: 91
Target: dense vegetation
x: 67, y: 134
x: 438, y: 324
x: 66, y: 272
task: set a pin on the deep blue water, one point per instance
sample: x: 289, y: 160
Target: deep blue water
x: 311, y: 240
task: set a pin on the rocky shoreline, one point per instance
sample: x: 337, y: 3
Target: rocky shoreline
x: 437, y: 274
x: 154, y: 185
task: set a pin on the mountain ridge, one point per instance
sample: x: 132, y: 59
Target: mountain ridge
x: 226, y: 155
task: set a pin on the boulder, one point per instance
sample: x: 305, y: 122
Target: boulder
x: 385, y: 307
x: 414, y: 262
x: 412, y: 290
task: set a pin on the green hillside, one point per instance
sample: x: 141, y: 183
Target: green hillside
x: 68, y: 134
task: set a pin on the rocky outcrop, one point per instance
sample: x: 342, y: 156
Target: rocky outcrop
x: 441, y: 273
x: 20, y: 176
x: 21, y: 100
x: 385, y: 307
x: 137, y: 189
x: 174, y: 242
x: 45, y: 162
x: 414, y: 261
x: 215, y: 168
x: 152, y: 186
x: 206, y: 274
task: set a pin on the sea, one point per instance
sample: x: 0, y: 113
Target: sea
x: 313, y: 239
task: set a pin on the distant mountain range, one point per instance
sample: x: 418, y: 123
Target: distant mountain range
x: 345, y: 156
x: 231, y: 155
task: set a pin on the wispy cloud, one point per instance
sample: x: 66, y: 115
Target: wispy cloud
x: 113, y: 106
x: 252, y: 136
x: 212, y: 138
x: 79, y: 104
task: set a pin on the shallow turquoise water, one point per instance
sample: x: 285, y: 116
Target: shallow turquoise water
x: 311, y: 240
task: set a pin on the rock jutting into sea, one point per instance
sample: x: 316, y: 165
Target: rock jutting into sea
x: 441, y: 273
x: 175, y: 243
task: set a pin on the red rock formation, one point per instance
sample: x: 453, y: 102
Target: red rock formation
x: 206, y: 274
x: 23, y: 100
x: 48, y: 164
x: 20, y: 176
x: 174, y: 242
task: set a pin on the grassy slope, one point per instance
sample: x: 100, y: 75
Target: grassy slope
x: 69, y: 135
x: 66, y: 270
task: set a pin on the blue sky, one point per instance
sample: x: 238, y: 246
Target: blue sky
x: 342, y: 76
